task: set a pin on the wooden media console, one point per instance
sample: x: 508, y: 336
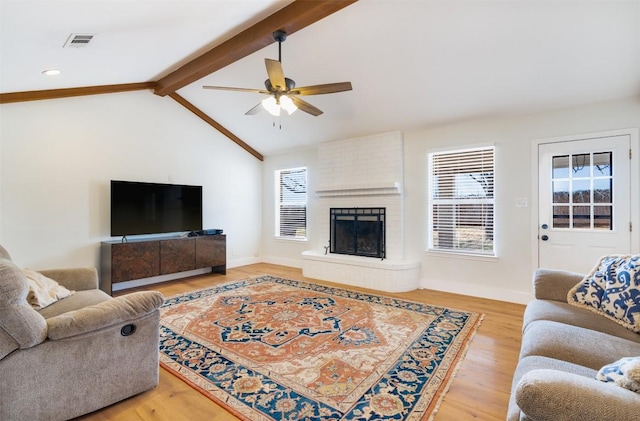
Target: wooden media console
x: 139, y: 259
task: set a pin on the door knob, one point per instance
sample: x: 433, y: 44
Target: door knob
x: 544, y: 237
x: 544, y: 226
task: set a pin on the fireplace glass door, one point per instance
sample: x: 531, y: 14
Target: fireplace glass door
x: 358, y: 231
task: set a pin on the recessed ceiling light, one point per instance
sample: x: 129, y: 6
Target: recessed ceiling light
x: 51, y: 72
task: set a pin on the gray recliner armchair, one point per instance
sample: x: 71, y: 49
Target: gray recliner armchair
x: 80, y: 354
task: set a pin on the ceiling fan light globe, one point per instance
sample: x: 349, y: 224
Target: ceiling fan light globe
x: 287, y: 104
x: 271, y: 105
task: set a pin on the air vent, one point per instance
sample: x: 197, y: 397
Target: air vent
x: 78, y: 40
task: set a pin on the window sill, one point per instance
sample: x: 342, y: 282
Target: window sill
x: 291, y: 239
x: 464, y: 256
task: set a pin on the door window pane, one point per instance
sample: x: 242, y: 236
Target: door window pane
x: 581, y: 165
x: 602, y: 164
x: 561, y: 166
x: 581, y: 191
x: 582, y: 217
x: 602, y: 190
x: 561, y: 217
x: 602, y: 218
x: 561, y: 191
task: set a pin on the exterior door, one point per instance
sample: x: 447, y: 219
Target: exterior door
x: 584, y: 202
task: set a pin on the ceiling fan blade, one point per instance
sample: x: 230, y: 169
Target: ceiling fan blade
x: 328, y: 88
x: 276, y: 74
x: 305, y: 106
x: 227, y: 88
x: 255, y: 110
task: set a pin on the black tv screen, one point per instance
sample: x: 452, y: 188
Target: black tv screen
x: 152, y: 208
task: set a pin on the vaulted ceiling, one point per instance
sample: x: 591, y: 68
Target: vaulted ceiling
x: 412, y: 64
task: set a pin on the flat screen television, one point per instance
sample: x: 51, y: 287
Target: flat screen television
x: 151, y: 208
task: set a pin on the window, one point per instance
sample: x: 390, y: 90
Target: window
x: 582, y: 190
x: 291, y: 203
x: 461, y: 208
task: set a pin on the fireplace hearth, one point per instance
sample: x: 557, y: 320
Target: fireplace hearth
x: 358, y: 231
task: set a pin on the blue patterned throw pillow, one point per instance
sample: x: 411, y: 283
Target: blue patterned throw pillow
x: 625, y: 373
x: 612, y: 289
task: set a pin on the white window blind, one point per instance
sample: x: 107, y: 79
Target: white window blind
x: 291, y: 203
x: 461, y: 194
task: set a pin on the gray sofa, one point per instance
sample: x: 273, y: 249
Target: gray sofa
x: 77, y: 355
x: 563, y: 347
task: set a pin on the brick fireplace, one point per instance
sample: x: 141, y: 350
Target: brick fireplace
x: 355, y: 175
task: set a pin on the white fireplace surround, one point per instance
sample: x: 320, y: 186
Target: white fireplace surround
x: 363, y: 172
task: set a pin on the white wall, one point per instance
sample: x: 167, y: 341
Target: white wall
x: 285, y: 251
x: 509, y: 276
x: 58, y: 156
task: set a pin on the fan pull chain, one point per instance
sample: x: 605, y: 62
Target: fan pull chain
x: 279, y: 123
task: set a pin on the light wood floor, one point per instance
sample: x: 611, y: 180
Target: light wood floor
x: 480, y: 390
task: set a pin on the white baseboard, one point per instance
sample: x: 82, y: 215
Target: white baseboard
x: 282, y: 261
x: 481, y: 291
x: 234, y: 263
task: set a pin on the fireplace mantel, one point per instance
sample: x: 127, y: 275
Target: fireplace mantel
x: 375, y: 189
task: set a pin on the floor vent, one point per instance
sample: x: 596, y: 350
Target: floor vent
x: 78, y: 40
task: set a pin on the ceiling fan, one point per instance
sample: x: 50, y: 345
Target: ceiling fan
x: 282, y: 91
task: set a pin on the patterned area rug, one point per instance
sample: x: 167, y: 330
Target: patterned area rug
x: 268, y: 348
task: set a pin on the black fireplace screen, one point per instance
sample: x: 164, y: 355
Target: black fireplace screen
x: 358, y: 231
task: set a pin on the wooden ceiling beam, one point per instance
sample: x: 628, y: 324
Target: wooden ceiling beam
x: 10, y: 97
x: 291, y: 18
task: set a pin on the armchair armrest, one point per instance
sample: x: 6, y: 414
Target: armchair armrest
x: 108, y: 313
x: 552, y: 394
x: 552, y: 284
x: 75, y: 279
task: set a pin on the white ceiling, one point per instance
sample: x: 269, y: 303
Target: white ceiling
x: 413, y: 64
